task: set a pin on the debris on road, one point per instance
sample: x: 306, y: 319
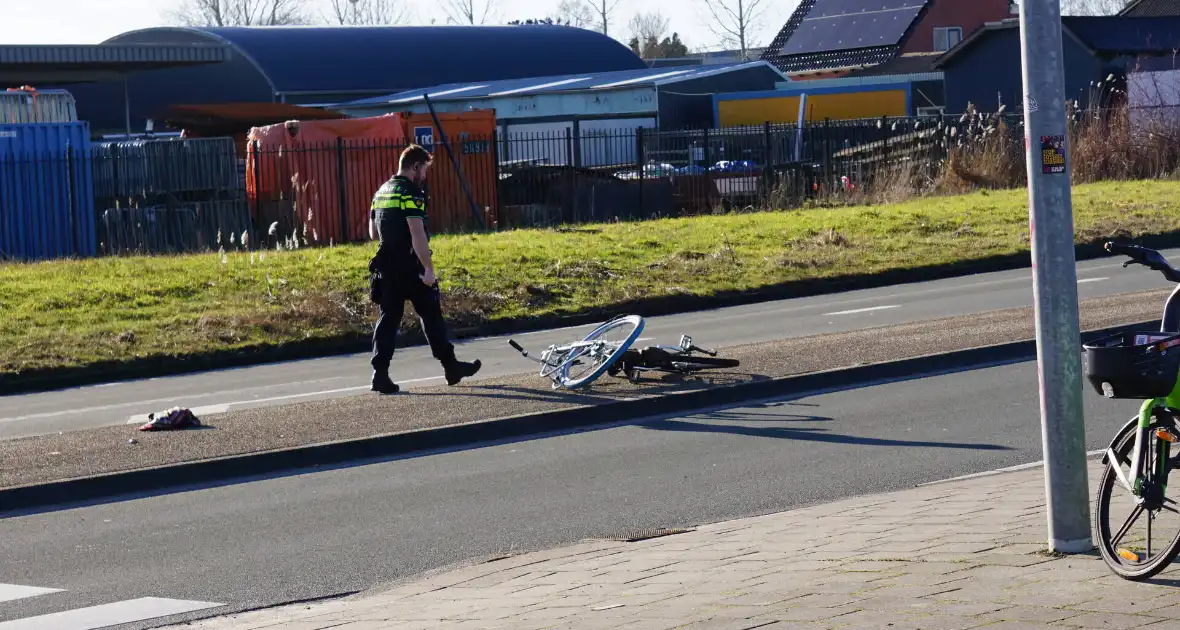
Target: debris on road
x: 173, y: 419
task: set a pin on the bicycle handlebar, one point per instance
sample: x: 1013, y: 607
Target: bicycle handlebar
x: 1119, y: 248
x: 515, y: 345
x: 1147, y: 257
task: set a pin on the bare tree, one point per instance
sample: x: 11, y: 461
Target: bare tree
x: 733, y: 21
x: 648, y: 26
x: 368, y: 12
x: 469, y: 11
x: 603, y: 9
x: 575, y: 13
x: 241, y: 12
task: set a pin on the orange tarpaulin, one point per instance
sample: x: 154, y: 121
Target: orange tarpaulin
x: 323, y: 173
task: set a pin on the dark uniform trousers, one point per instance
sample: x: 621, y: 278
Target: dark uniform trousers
x: 397, y: 284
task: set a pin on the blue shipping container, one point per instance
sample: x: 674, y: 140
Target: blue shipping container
x: 46, y: 191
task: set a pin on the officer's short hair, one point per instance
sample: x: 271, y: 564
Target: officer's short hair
x: 414, y: 156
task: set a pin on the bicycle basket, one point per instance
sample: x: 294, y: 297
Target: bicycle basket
x: 1139, y: 365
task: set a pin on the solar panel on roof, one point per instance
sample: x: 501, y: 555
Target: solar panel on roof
x: 846, y: 24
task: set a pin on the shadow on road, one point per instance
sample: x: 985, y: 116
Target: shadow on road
x: 805, y: 433
x: 603, y: 390
x: 727, y: 420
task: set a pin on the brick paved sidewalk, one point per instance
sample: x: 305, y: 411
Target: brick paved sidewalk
x: 961, y: 554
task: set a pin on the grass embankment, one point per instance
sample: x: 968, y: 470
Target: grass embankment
x: 75, y: 313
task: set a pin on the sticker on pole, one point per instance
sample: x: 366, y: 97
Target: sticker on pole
x: 1052, y: 154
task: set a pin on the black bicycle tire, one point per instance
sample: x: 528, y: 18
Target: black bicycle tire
x: 705, y: 363
x: 1107, y: 484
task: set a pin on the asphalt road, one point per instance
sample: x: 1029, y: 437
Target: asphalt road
x: 276, y: 384
x: 270, y: 541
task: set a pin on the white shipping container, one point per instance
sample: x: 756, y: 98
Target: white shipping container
x: 21, y: 107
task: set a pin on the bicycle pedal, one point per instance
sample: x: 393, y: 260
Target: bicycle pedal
x: 1128, y: 555
x: 1167, y: 435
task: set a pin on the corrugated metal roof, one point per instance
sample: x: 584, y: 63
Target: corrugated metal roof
x: 114, y: 54
x: 563, y: 83
x: 309, y: 60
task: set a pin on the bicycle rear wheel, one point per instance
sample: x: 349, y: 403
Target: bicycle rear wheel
x: 600, y: 356
x: 1135, y: 553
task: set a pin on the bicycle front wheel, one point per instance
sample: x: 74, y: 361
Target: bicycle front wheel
x: 1137, y: 536
x: 600, y: 350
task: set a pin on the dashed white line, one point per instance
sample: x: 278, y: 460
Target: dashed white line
x: 1085, y: 280
x: 865, y: 310
x: 13, y: 592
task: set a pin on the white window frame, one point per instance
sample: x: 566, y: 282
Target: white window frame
x: 943, y: 37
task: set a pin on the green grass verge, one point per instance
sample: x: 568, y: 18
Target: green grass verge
x: 75, y: 313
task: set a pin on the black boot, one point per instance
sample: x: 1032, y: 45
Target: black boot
x: 383, y: 384
x: 460, y: 370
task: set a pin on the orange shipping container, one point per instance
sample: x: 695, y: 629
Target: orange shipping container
x: 294, y: 172
x: 471, y: 135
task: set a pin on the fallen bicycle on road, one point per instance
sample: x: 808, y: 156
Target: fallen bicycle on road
x: 577, y: 364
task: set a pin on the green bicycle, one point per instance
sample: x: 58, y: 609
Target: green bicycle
x: 1143, y: 366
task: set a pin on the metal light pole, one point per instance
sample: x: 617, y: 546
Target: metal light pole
x: 1054, y: 277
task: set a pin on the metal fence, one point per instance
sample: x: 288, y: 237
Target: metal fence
x: 320, y: 193
x: 168, y: 195
x: 174, y: 195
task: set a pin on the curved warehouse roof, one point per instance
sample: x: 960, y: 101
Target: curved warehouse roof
x: 363, y: 59
x: 650, y: 77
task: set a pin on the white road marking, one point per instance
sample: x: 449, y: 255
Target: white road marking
x: 1085, y: 280
x: 865, y: 310
x: 107, y: 615
x: 224, y: 407
x: 151, y: 401
x: 999, y: 471
x: 12, y: 592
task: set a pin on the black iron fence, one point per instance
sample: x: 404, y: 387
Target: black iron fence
x: 199, y: 195
x: 168, y: 196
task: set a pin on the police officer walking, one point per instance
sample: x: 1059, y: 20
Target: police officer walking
x: 403, y: 270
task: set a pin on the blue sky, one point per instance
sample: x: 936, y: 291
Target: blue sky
x: 91, y: 21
